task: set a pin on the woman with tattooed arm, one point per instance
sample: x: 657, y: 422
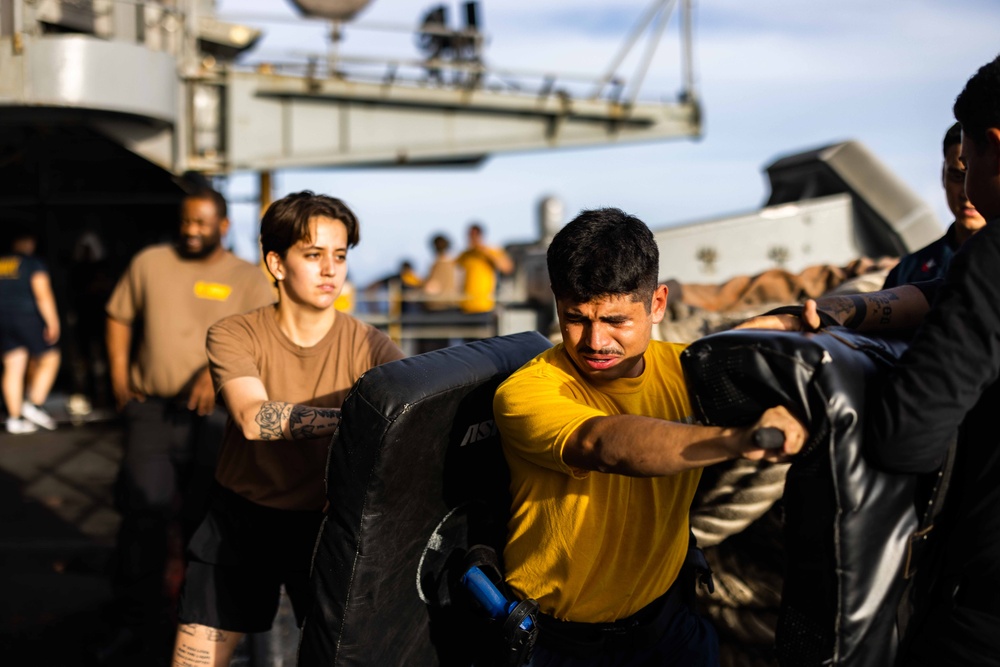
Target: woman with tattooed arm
x: 283, y: 372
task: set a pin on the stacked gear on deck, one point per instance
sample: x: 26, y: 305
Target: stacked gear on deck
x: 847, y: 524
x: 415, y: 478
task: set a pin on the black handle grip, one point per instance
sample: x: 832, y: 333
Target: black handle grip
x: 769, y: 438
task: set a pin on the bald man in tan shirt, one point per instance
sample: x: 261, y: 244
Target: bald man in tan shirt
x: 157, y: 320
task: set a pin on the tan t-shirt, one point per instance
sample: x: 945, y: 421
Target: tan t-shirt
x: 170, y: 302
x: 441, y: 286
x: 288, y: 474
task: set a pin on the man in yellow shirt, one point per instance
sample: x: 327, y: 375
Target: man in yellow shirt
x: 481, y: 263
x: 605, y: 457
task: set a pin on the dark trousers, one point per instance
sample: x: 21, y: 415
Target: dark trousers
x: 687, y: 640
x: 164, y: 480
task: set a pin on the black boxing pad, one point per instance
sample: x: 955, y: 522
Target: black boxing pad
x: 415, y: 476
x: 846, y: 522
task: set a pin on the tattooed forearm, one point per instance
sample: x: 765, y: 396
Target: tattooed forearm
x: 215, y: 635
x: 881, y: 306
x: 858, y: 316
x: 848, y: 310
x: 861, y: 311
x: 191, y: 649
x: 271, y: 417
x: 277, y: 420
x: 308, y: 422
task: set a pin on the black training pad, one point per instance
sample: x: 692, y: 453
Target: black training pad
x: 416, y: 444
x: 846, y: 522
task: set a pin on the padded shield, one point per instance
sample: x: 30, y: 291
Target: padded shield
x: 846, y: 522
x: 415, y: 476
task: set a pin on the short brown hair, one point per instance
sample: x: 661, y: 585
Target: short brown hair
x: 286, y: 221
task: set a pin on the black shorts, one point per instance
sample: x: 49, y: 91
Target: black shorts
x: 23, y: 330
x: 238, y: 559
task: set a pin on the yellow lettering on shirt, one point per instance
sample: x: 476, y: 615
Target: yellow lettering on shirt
x: 212, y: 291
x: 9, y: 267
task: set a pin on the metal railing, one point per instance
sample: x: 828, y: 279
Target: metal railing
x: 403, y: 314
x: 466, y: 69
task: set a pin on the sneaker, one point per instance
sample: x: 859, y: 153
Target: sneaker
x: 79, y: 405
x: 38, y: 416
x: 19, y: 426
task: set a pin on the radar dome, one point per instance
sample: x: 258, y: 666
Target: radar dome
x: 337, y: 10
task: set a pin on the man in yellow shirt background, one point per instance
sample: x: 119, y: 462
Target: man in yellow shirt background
x: 481, y: 263
x: 605, y: 457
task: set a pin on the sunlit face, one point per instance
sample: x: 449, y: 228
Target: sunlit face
x: 953, y: 177
x: 606, y: 338
x: 201, y: 228
x: 312, y: 272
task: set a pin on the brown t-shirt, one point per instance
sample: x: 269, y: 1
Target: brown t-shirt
x: 170, y: 302
x: 288, y: 474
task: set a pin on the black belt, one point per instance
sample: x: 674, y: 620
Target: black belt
x: 641, y: 630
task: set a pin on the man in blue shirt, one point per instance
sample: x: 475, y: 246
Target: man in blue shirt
x: 946, y: 383
x: 932, y: 261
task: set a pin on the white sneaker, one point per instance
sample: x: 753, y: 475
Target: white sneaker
x: 79, y: 405
x: 19, y: 426
x: 37, y: 416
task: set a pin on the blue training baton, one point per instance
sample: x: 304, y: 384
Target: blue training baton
x: 490, y: 597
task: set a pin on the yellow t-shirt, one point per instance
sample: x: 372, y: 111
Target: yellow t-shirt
x: 480, y: 285
x: 588, y: 546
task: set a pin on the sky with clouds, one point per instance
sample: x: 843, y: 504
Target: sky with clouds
x: 774, y: 77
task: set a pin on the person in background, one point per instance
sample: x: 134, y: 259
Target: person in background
x: 283, y: 372
x: 945, y: 386
x: 932, y: 261
x: 157, y: 319
x: 394, y: 293
x: 410, y: 285
x: 91, y: 281
x: 439, y: 294
x: 29, y: 331
x: 481, y: 264
x: 408, y: 275
x: 441, y: 286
